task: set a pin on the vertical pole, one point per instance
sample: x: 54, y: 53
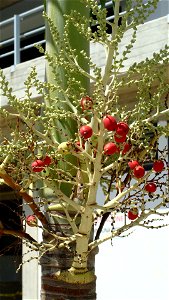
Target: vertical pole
x: 31, y: 272
x: 16, y: 40
x: 164, y: 147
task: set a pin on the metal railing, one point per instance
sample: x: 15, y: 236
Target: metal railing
x: 18, y: 36
x: 15, y: 22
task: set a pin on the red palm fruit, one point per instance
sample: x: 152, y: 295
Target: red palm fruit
x: 37, y: 165
x: 119, y: 139
x: 110, y: 123
x: 126, y: 148
x: 31, y: 220
x: 122, y: 128
x: 86, y: 132
x: 139, y: 171
x: 150, y: 187
x: 132, y: 164
x: 110, y: 148
x: 158, y: 166
x: 133, y: 213
x: 86, y: 103
x: 47, y: 160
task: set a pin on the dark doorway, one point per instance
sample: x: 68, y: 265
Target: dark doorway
x: 10, y: 246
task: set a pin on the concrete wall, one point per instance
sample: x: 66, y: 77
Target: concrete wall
x: 151, y: 37
x: 17, y: 75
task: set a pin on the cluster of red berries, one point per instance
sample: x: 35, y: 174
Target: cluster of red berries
x: 138, y: 170
x: 39, y: 165
x: 121, y: 130
x: 150, y: 187
x: 158, y: 166
x: 109, y: 148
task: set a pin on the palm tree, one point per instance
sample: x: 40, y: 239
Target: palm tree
x: 84, y: 140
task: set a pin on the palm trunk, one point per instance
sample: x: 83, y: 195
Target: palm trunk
x: 71, y: 285
x: 55, y: 289
x: 81, y: 286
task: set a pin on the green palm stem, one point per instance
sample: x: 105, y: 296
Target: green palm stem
x: 56, y: 10
x: 52, y: 285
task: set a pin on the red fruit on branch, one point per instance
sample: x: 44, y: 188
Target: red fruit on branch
x: 47, y: 161
x: 110, y: 123
x: 119, y: 139
x: 86, y: 103
x: 86, y: 132
x: 158, y: 165
x: 126, y: 148
x: 133, y: 214
x: 139, y: 171
x: 132, y: 164
x: 150, y: 187
x: 37, y: 165
x: 122, y: 128
x: 110, y: 148
x: 31, y: 220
